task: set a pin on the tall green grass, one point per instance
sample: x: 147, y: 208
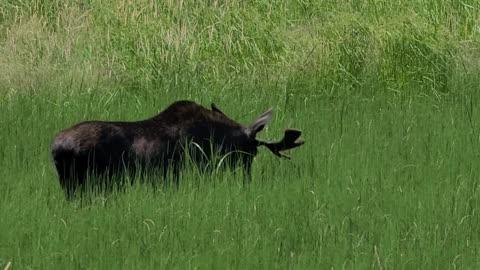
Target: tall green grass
x: 386, y: 93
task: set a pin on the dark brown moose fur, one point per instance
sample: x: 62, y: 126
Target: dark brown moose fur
x: 161, y: 142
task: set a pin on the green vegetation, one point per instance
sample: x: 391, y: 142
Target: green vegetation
x: 386, y: 92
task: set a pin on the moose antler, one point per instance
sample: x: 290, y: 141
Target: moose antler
x: 289, y: 141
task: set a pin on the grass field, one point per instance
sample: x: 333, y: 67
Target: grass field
x: 387, y: 94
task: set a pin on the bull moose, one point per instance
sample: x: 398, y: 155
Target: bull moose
x: 160, y: 142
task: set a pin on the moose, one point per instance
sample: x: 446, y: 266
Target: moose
x: 164, y: 142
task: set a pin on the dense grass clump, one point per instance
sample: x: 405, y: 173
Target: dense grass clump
x: 386, y: 93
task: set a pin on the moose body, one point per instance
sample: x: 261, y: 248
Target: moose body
x: 160, y: 142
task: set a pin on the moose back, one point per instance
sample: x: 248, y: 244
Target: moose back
x: 160, y: 142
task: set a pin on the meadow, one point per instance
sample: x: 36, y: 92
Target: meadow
x: 387, y: 94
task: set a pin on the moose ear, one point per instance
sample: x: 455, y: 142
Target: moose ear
x: 259, y: 123
x: 216, y: 109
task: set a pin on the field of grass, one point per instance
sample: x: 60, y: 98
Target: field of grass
x: 387, y: 94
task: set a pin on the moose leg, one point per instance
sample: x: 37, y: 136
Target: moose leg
x: 176, y: 174
x: 72, y: 174
x: 172, y: 169
x: 247, y: 171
